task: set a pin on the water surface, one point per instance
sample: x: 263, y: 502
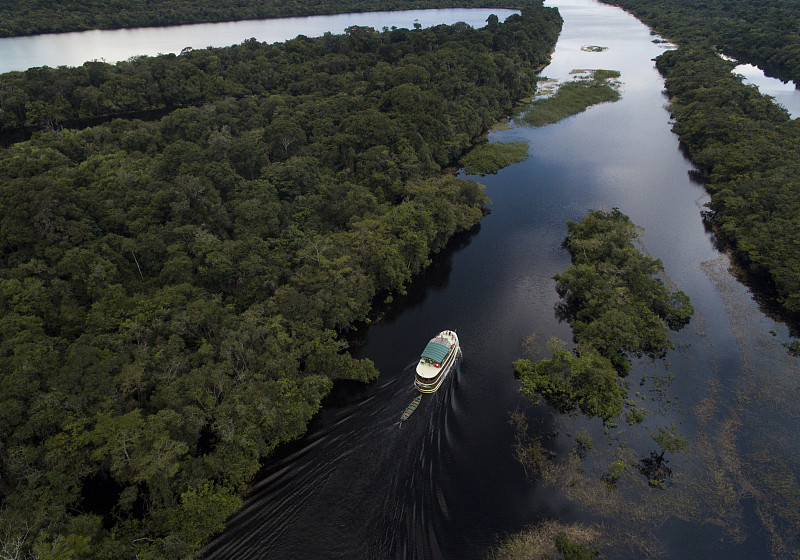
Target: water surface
x: 446, y: 483
x: 73, y: 49
x: 785, y: 93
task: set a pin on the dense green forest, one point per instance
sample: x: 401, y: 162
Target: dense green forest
x: 53, y: 96
x: 617, y: 308
x: 174, y: 293
x: 761, y: 32
x: 30, y: 17
x: 749, y: 151
x: 746, y: 147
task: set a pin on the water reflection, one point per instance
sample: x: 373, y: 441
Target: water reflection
x: 447, y: 484
x: 785, y: 93
x: 73, y: 49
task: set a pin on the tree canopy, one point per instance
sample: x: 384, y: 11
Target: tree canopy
x: 174, y: 293
x: 765, y: 33
x: 745, y: 146
x: 747, y: 150
x: 617, y: 308
x: 30, y: 17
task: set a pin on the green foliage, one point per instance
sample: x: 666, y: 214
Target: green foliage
x: 745, y: 146
x: 174, y: 294
x: 793, y: 347
x: 616, y: 470
x: 655, y: 466
x: 616, y: 307
x: 611, y: 295
x: 27, y: 17
x: 573, y: 97
x: 588, y: 382
x: 763, y: 33
x: 635, y: 415
x: 387, y: 81
x: 491, y: 158
x: 583, y: 442
x: 203, y: 512
x: 575, y: 551
x: 669, y: 439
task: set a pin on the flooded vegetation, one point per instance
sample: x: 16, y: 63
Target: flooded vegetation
x: 550, y: 539
x: 697, y: 457
x: 588, y: 88
x: 491, y: 158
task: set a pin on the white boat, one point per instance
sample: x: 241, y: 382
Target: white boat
x: 436, y: 361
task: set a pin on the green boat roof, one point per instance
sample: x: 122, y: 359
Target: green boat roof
x: 435, y: 351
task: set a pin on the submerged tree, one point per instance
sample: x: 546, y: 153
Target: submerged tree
x: 587, y: 382
x: 655, y: 467
x: 617, y: 308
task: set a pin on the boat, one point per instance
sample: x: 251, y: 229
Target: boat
x: 436, y: 361
x: 411, y: 408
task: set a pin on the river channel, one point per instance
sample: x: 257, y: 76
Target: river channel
x: 446, y: 484
x: 113, y: 45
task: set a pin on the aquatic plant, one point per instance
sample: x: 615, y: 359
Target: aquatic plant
x: 491, y: 158
x: 573, y: 97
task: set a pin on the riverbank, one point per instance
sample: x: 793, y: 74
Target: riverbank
x: 190, y: 279
x: 25, y: 17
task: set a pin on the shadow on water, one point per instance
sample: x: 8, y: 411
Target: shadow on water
x: 760, y: 284
x: 432, y: 279
x: 379, y: 472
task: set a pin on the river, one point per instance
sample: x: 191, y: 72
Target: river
x: 445, y: 484
x: 784, y: 93
x: 113, y: 45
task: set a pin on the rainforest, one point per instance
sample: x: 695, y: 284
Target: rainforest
x: 190, y: 243
x: 745, y: 147
x: 176, y: 293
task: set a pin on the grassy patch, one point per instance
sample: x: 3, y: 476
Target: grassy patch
x: 598, y: 86
x: 549, y: 539
x: 491, y: 158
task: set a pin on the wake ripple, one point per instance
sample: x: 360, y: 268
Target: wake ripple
x: 361, y: 485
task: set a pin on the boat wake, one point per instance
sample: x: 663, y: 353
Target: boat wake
x: 384, y: 478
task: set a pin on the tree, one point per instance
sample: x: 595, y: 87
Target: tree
x: 587, y: 382
x: 174, y: 292
x: 655, y: 467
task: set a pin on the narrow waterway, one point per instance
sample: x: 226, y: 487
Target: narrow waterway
x: 446, y: 484
x: 784, y: 93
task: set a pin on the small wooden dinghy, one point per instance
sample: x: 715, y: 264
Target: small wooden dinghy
x: 411, y: 408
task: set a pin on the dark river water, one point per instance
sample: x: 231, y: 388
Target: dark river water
x: 446, y: 483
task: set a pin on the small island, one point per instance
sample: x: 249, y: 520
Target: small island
x: 617, y: 308
x: 590, y: 88
x: 490, y: 158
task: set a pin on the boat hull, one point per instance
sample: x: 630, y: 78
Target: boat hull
x: 429, y: 374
